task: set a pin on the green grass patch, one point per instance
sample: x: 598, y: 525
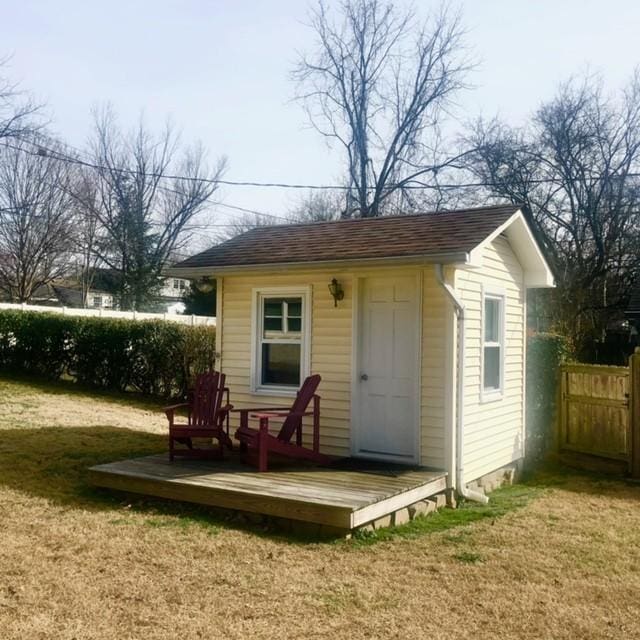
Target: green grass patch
x: 468, y: 557
x: 501, y: 502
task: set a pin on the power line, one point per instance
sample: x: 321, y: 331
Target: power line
x: 254, y: 212
x: 45, y: 151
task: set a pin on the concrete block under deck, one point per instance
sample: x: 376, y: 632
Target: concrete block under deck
x: 345, y: 499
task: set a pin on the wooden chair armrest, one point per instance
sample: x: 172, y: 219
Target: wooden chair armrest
x: 269, y: 414
x: 171, y: 409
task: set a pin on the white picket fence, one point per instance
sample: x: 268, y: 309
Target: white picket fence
x: 109, y: 313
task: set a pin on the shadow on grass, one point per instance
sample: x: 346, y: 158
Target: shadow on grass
x: 53, y: 463
x: 579, y: 480
x: 21, y: 384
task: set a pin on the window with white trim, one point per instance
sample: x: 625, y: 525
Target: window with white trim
x: 492, y: 344
x: 280, y: 359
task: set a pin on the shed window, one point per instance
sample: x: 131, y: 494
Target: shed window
x: 493, y: 344
x: 281, y: 341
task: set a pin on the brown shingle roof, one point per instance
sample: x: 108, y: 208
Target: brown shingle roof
x: 452, y: 232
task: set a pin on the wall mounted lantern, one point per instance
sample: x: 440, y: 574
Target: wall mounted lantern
x: 204, y: 285
x: 336, y: 291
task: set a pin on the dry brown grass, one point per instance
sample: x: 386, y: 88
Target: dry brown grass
x: 77, y: 563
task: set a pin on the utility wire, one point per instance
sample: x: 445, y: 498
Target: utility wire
x: 45, y: 151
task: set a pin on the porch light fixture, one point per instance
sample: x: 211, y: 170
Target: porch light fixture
x: 204, y: 285
x: 336, y: 291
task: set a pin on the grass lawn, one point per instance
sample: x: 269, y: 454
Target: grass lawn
x: 557, y: 558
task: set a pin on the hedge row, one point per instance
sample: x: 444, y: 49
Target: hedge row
x: 545, y: 353
x: 152, y: 357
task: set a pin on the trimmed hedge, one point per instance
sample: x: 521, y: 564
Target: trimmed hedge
x: 152, y: 356
x: 545, y: 353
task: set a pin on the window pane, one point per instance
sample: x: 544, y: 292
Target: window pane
x: 281, y: 364
x: 492, y: 368
x: 295, y: 307
x: 273, y: 307
x: 273, y: 324
x: 491, y: 320
x: 295, y: 325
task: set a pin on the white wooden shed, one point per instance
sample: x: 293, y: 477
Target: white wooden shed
x: 417, y: 325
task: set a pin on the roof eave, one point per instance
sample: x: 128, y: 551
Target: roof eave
x: 538, y: 274
x: 456, y: 258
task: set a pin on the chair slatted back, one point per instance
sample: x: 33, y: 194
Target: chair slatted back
x: 300, y: 404
x: 207, y: 398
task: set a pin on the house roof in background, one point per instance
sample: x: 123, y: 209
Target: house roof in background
x: 452, y: 233
x: 634, y: 302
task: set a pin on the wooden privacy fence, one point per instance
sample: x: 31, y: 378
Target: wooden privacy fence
x: 599, y: 412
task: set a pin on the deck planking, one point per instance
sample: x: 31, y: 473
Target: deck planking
x: 322, y: 495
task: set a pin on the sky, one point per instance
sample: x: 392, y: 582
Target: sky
x: 219, y: 69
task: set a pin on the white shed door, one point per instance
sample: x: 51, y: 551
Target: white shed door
x: 387, y: 369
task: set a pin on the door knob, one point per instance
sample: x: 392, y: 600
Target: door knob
x: 364, y: 376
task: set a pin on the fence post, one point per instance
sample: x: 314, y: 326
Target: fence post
x: 560, y: 409
x: 634, y: 411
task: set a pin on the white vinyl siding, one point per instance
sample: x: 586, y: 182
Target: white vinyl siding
x: 331, y: 350
x: 493, y: 430
x: 436, y: 337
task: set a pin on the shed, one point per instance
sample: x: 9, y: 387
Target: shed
x: 416, y: 323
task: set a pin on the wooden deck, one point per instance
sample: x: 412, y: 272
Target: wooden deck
x: 339, y: 498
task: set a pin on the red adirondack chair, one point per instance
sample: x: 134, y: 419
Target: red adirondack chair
x: 259, y: 443
x: 207, y: 418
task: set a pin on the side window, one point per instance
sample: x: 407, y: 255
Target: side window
x: 492, y: 344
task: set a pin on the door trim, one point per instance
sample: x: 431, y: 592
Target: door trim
x: 356, y: 326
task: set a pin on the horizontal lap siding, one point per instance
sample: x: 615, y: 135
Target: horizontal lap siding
x: 434, y: 352
x: 331, y: 352
x: 494, y: 430
x: 330, y: 347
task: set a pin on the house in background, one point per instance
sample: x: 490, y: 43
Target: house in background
x: 103, y: 293
x: 67, y: 293
x: 633, y: 316
x: 417, y: 325
x: 172, y: 294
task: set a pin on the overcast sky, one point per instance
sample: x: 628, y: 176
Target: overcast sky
x: 220, y: 70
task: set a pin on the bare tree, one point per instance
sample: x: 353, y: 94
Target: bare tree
x: 316, y: 206
x: 378, y: 86
x: 319, y: 206
x: 143, y: 217
x: 247, y: 221
x: 87, y: 230
x: 17, y: 110
x: 576, y: 171
x: 35, y: 221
